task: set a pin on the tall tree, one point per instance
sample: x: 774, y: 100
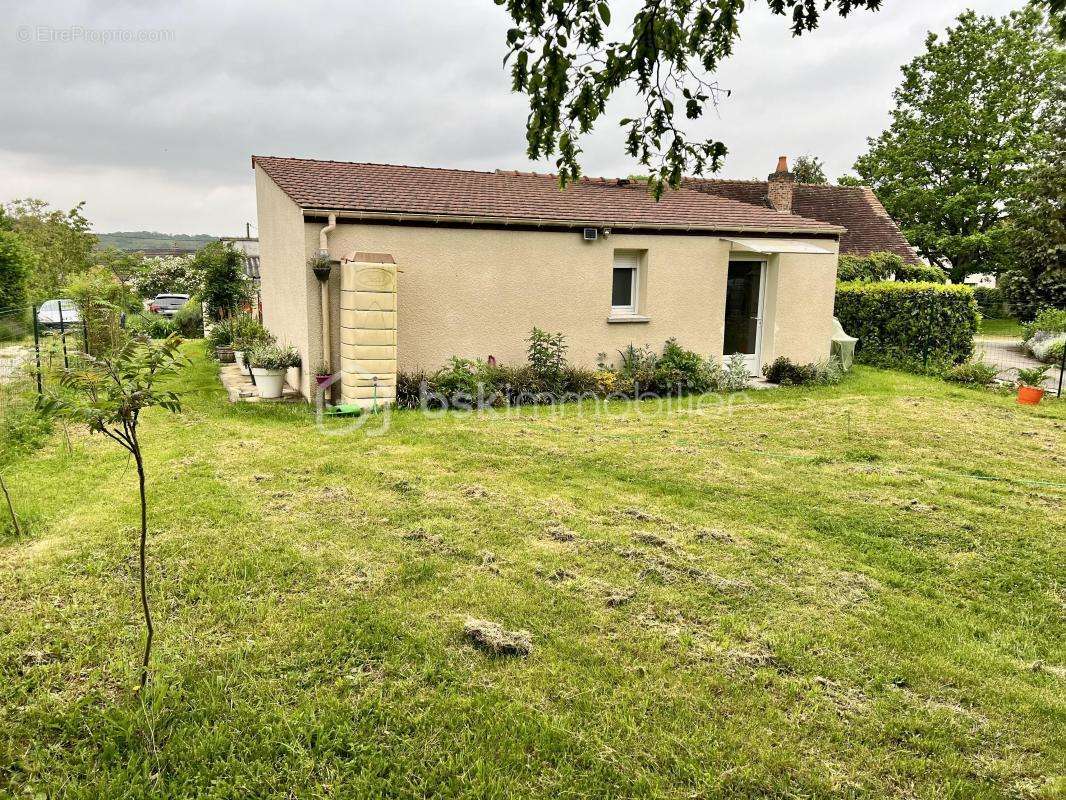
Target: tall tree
x: 16, y: 263
x: 61, y: 241
x: 809, y: 169
x: 562, y: 60
x: 970, y: 119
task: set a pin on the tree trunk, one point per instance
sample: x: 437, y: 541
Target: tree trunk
x: 144, y: 579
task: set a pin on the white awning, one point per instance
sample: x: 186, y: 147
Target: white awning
x: 767, y: 246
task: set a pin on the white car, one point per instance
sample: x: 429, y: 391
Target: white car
x: 48, y: 315
x: 168, y: 304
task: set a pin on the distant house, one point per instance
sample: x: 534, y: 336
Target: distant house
x: 868, y: 227
x: 249, y: 246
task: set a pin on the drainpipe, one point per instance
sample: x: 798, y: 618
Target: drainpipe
x: 323, y: 280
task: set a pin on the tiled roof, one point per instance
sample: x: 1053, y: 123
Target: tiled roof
x: 869, y: 227
x: 516, y: 196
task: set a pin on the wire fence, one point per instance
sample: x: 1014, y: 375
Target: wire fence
x: 1010, y: 356
x: 40, y: 340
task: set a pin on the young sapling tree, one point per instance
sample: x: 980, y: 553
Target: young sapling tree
x: 107, y: 394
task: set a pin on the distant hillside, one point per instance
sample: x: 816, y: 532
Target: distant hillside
x: 152, y: 240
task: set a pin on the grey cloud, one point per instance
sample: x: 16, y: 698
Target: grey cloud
x: 410, y: 82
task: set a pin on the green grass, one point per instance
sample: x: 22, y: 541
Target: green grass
x: 840, y: 592
x: 1001, y: 327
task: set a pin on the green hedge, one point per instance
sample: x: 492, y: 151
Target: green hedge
x: 989, y: 300
x: 913, y: 326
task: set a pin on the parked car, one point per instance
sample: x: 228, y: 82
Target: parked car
x: 48, y: 314
x: 168, y: 304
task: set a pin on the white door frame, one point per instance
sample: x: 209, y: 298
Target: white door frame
x: 753, y: 360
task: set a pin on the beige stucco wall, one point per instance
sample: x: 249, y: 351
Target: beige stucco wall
x: 800, y: 293
x: 475, y: 292
x: 286, y: 283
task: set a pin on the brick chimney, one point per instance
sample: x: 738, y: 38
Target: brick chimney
x: 779, y: 186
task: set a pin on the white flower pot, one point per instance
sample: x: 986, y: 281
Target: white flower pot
x: 269, y: 382
x: 238, y: 357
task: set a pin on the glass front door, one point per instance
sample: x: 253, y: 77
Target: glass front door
x: 743, y: 311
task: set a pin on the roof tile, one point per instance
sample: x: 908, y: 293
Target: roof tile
x: 512, y: 195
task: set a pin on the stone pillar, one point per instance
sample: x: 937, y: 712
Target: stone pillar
x: 368, y: 329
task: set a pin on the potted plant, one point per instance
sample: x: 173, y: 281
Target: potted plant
x: 269, y: 364
x: 1030, y: 385
x: 248, y: 333
x: 323, y: 375
x: 221, y: 337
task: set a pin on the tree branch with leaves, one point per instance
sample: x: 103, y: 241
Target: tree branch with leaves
x: 108, y: 395
x: 561, y: 58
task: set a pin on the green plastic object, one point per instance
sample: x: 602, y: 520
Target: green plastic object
x: 345, y: 410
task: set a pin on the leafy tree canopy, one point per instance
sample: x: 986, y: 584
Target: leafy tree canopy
x: 17, y: 262
x: 60, y: 240
x: 971, y: 119
x: 809, y: 169
x: 225, y: 286
x: 562, y: 58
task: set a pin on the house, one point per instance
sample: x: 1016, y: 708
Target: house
x: 428, y: 263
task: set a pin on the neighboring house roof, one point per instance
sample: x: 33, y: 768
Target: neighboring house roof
x: 518, y: 197
x: 869, y: 227
x: 251, y: 267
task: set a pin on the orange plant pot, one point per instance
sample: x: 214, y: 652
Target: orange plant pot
x: 1029, y: 395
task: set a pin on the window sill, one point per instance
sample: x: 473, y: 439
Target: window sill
x: 620, y: 318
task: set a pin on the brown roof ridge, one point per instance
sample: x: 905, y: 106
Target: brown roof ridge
x: 377, y: 164
x: 512, y: 195
x: 756, y: 182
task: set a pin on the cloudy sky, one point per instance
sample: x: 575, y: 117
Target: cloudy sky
x: 156, y: 134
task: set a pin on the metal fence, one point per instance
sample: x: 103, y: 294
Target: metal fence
x: 39, y: 344
x: 1009, y: 356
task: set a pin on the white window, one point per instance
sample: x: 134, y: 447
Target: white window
x: 625, y: 283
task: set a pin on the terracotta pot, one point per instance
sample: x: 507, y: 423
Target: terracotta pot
x: 322, y: 380
x: 1030, y: 395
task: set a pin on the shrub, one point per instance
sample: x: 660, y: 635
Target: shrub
x: 972, y: 373
x: 547, y: 356
x: 101, y: 300
x: 681, y: 371
x: 154, y: 326
x: 872, y: 267
x: 1054, y: 352
x: 162, y: 274
x: 1019, y: 294
x: 247, y: 332
x: 271, y: 356
x: 989, y: 300
x: 1050, y: 320
x: 459, y: 378
x: 920, y: 273
x: 914, y: 326
x: 1051, y: 289
x: 189, y: 320
x: 636, y: 367
x: 733, y: 377
x: 225, y: 286
x: 786, y: 373
x: 16, y: 261
x: 409, y: 388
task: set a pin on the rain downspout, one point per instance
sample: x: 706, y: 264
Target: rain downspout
x: 323, y: 249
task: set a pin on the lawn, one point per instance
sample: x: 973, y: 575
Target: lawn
x: 840, y: 592
x: 1000, y: 327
